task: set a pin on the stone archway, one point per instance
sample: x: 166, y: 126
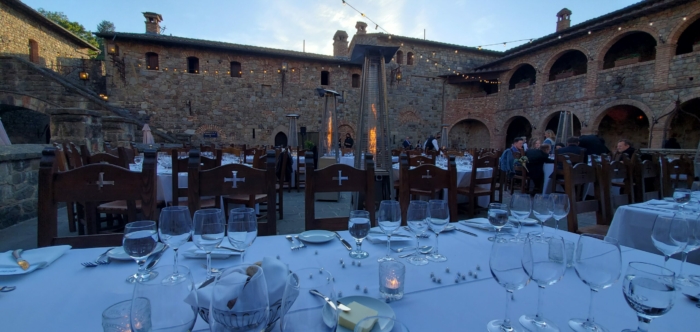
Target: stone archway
x: 469, y: 133
x: 517, y: 126
x: 281, y: 139
x: 552, y: 123
x: 624, y: 122
x: 684, y: 127
x: 24, y: 125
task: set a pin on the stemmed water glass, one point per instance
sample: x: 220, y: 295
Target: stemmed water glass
x: 174, y: 229
x: 597, y: 262
x: 692, y: 244
x: 358, y: 227
x: 416, y: 219
x: 542, y: 207
x: 520, y: 207
x: 498, y: 216
x: 438, y: 218
x: 140, y: 239
x: 389, y: 220
x: 208, y: 232
x: 506, y: 268
x: 561, y: 207
x: 545, y: 262
x: 242, y: 228
x: 650, y: 290
x: 670, y: 235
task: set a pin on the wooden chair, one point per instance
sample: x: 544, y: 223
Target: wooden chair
x: 396, y: 152
x: 558, y: 172
x: 476, y: 185
x: 576, y: 180
x: 609, y: 171
x: 418, y: 160
x: 678, y: 173
x: 301, y: 168
x: 428, y: 178
x: 120, y: 159
x: 75, y: 159
x: 647, y: 180
x: 179, y: 195
x: 337, y: 178
x: 62, y: 166
x: 91, y: 184
x: 233, y: 180
x: 414, y: 152
x: 107, y: 147
x: 521, y: 177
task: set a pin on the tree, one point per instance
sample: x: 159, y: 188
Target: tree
x: 78, y: 29
x: 105, y: 26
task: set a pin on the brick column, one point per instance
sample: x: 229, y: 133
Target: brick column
x: 77, y: 125
x: 593, y: 67
x: 664, y: 54
x: 540, y: 79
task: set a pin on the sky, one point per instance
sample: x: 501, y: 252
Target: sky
x: 286, y: 24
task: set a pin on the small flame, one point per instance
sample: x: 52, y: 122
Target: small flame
x: 392, y: 283
x: 329, y: 136
x: 372, y: 144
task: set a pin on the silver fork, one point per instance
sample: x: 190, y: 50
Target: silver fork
x: 301, y: 244
x: 101, y: 260
x: 291, y: 239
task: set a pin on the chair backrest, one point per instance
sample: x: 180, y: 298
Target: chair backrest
x: 673, y: 173
x: 427, y: 178
x: 414, y: 152
x: 486, y: 161
x: 337, y: 178
x: 576, y: 180
x: 619, y: 171
x: 647, y: 180
x: 120, y: 159
x: 75, y: 159
x: 109, y: 149
x: 432, y: 153
x: 418, y: 160
x: 233, y: 179
x: 91, y: 185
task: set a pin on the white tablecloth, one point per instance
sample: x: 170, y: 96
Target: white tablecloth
x: 69, y: 297
x: 632, y: 225
x: 464, y: 174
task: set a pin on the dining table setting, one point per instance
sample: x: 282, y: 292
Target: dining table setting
x: 201, y: 272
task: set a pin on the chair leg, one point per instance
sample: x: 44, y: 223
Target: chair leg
x: 472, y: 199
x: 70, y: 210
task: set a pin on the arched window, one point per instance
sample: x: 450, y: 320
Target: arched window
x: 523, y: 77
x: 632, y: 48
x: 236, y: 70
x: 193, y: 65
x: 399, y: 57
x: 409, y: 58
x: 569, y: 64
x: 33, y: 51
x: 325, y: 77
x: 355, y: 80
x: 152, y: 61
x: 689, y: 41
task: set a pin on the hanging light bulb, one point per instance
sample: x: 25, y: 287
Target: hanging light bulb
x: 479, y: 48
x: 455, y: 51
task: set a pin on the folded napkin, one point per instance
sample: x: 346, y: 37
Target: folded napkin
x: 376, y: 235
x: 37, y: 258
x: 661, y: 203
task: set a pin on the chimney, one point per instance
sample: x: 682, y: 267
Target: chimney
x: 563, y: 19
x: 361, y: 28
x: 152, y: 23
x: 340, y: 43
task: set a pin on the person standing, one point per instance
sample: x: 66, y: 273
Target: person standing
x: 349, y: 142
x: 432, y: 143
x: 536, y: 158
x: 406, y: 143
x: 550, y: 136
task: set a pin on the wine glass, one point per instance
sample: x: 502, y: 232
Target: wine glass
x: 520, y: 207
x: 416, y: 219
x: 359, y: 227
x: 175, y: 228
x: 542, y: 207
x: 239, y: 300
x: 389, y: 220
x: 506, y: 268
x: 692, y: 244
x: 681, y: 196
x: 140, y: 239
x: 545, y: 262
x: 242, y: 228
x: 498, y: 216
x: 670, y: 235
x: 170, y: 306
x: 301, y: 310
x: 597, y: 262
x: 650, y: 290
x: 438, y: 218
x: 561, y: 207
x: 208, y: 232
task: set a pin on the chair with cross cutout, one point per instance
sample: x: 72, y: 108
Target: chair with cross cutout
x: 337, y: 178
x: 91, y: 184
x: 577, y: 178
x: 429, y: 179
x: 480, y: 186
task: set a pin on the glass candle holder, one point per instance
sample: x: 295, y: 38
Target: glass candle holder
x: 117, y: 318
x: 392, y: 277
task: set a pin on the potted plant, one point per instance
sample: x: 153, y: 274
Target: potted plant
x: 627, y: 59
x: 525, y: 82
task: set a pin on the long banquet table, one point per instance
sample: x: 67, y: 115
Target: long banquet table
x: 68, y: 297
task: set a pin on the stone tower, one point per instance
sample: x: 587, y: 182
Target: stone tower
x: 340, y: 43
x: 563, y: 19
x: 361, y: 28
x: 152, y: 22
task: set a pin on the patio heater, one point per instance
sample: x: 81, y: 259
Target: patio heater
x: 565, y: 128
x: 443, y: 134
x: 329, y: 148
x: 373, y: 116
x: 293, y: 134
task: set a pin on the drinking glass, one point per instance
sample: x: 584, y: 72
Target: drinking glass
x: 692, y: 244
x: 561, y: 207
x: 520, y: 207
x: 140, y: 239
x: 385, y: 324
x: 681, y: 196
x: 506, y: 268
x: 597, y: 262
x: 417, y: 216
x: 670, y: 235
x: 208, y: 232
x: 239, y: 300
x: 498, y: 216
x: 389, y: 220
x: 650, y: 290
x: 359, y: 226
x: 242, y: 228
x: 438, y: 218
x: 174, y: 229
x: 309, y: 312
x: 117, y: 318
x: 545, y: 262
x: 168, y: 309
x: 542, y: 207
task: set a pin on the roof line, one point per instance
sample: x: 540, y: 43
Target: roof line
x: 428, y: 41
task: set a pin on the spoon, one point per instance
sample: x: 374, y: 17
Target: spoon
x: 6, y: 289
x: 155, y: 258
x: 422, y: 249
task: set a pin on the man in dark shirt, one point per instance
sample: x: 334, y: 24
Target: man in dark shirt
x: 572, y: 147
x: 593, y: 145
x: 624, y: 147
x: 406, y: 143
x: 349, y: 142
x: 536, y: 158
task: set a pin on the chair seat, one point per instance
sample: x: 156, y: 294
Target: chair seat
x: 595, y: 229
x: 116, y: 207
x: 203, y: 203
x: 477, y: 191
x: 244, y: 199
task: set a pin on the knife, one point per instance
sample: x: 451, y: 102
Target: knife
x: 465, y: 232
x: 17, y: 254
x: 330, y: 303
x: 345, y: 243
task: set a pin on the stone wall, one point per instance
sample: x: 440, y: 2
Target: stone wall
x: 78, y: 126
x: 19, y: 176
x: 25, y: 126
x: 469, y: 134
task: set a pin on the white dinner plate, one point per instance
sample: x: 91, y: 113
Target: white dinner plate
x: 381, y: 307
x: 195, y: 252
x: 119, y: 254
x: 527, y: 221
x: 316, y: 236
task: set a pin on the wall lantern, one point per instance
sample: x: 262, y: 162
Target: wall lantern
x: 84, y: 75
x: 111, y: 48
x: 398, y: 75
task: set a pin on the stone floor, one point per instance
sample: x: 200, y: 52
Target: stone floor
x: 23, y: 235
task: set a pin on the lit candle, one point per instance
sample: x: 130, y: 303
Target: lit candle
x: 392, y: 285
